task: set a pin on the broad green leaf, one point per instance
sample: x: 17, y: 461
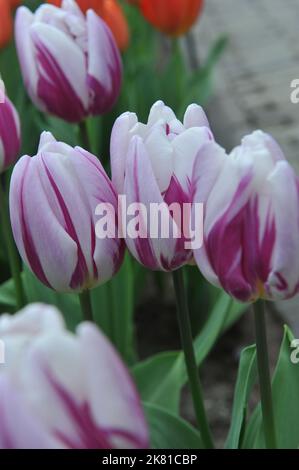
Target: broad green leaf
x: 236, y: 310
x: 167, y: 372
x: 63, y: 131
x: 200, y: 85
x: 168, y: 431
x: 246, y: 378
x: 68, y: 304
x: 149, y: 374
x: 113, y: 306
x: 285, y: 390
x: 7, y: 296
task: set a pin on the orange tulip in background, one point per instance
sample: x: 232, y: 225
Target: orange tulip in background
x: 172, y: 17
x: 6, y: 22
x: 112, y: 14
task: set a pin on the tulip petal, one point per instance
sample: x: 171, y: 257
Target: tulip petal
x: 283, y: 281
x: 24, y: 20
x: 186, y: 146
x: 104, y: 64
x: 77, y: 415
x: 112, y: 410
x: 160, y: 112
x: 107, y: 253
x: 120, y: 138
x: 141, y: 187
x: 19, y: 428
x: 195, y: 117
x: 62, y: 88
x: 44, y: 244
x: 161, y: 154
x: 9, y: 134
x: 225, y: 210
x: 208, y: 165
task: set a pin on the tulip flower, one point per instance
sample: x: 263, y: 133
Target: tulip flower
x: 53, y: 197
x: 251, y: 224
x: 152, y: 164
x: 64, y: 390
x: 10, y: 134
x: 70, y: 62
x: 112, y: 13
x: 172, y: 17
x: 10, y: 143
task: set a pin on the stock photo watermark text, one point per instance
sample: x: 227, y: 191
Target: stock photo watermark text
x: 154, y: 221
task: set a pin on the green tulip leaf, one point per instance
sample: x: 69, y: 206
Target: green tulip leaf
x: 246, y: 378
x: 168, y: 431
x: 161, y: 377
x: 285, y: 391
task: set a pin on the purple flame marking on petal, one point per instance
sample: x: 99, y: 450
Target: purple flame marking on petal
x: 30, y: 250
x: 103, y: 100
x: 9, y: 133
x: 54, y: 90
x: 143, y: 245
x: 225, y: 245
x: 266, y: 248
x: 90, y: 435
x: 81, y: 271
x: 176, y: 194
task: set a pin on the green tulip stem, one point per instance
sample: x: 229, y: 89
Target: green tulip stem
x: 84, y: 136
x: 188, y: 348
x: 86, y: 305
x: 264, y: 375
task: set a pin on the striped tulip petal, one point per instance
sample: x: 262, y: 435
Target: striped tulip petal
x: 92, y: 402
x: 10, y: 134
x: 251, y: 222
x: 70, y: 63
x: 152, y: 164
x: 53, y: 220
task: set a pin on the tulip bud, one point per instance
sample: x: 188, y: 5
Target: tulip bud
x: 64, y: 390
x: 112, y: 13
x: 10, y: 133
x: 70, y: 62
x: 251, y: 224
x: 53, y: 197
x: 152, y: 164
x: 172, y: 17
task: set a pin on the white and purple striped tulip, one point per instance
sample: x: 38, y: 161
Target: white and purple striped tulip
x: 10, y: 134
x: 53, y: 197
x: 251, y: 222
x: 70, y: 63
x: 64, y: 390
x: 152, y: 163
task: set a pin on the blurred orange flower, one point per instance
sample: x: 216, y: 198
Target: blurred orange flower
x: 6, y: 20
x: 112, y: 13
x: 14, y: 3
x: 172, y: 17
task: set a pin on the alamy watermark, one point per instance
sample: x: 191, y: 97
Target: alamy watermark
x: 295, y: 93
x: 154, y: 221
x: 295, y: 353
